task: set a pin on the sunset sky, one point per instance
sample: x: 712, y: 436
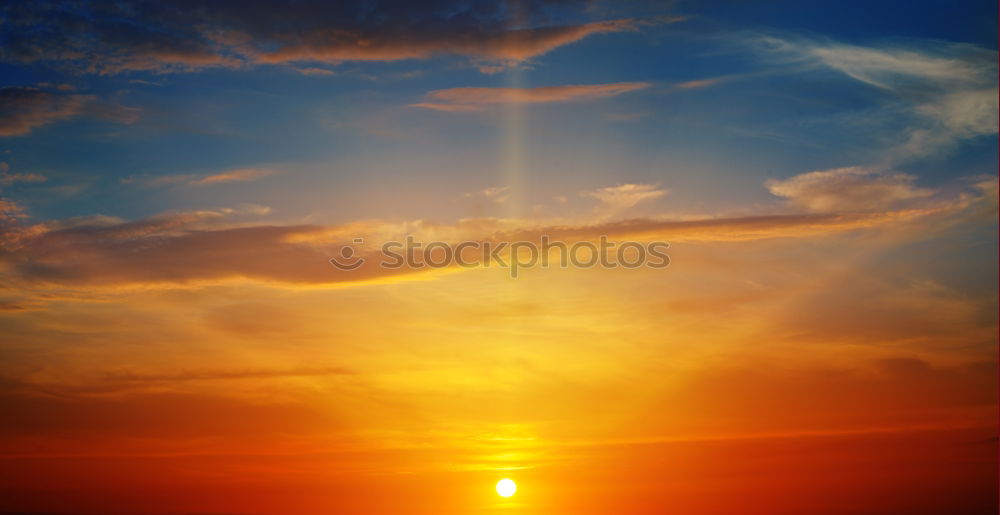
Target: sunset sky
x: 175, y: 176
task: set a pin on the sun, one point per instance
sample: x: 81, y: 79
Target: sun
x: 506, y: 487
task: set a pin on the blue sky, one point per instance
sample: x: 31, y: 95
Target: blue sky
x: 773, y: 113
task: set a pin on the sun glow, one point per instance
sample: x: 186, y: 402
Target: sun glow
x: 506, y: 487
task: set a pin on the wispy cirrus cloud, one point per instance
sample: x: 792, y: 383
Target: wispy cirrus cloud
x: 890, y: 67
x: 476, y: 99
x: 947, y: 91
x: 951, y: 86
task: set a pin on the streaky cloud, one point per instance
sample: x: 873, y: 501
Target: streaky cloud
x: 198, y: 248
x: 476, y: 99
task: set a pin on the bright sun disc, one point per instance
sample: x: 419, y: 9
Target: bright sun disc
x: 506, y: 487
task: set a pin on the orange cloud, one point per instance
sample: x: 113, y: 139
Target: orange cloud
x: 10, y: 210
x: 231, y: 35
x: 694, y: 84
x: 6, y: 179
x: 241, y: 175
x: 448, y: 108
x: 236, y: 175
x: 315, y: 71
x: 847, y: 189
x: 23, y: 109
x: 473, y: 97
